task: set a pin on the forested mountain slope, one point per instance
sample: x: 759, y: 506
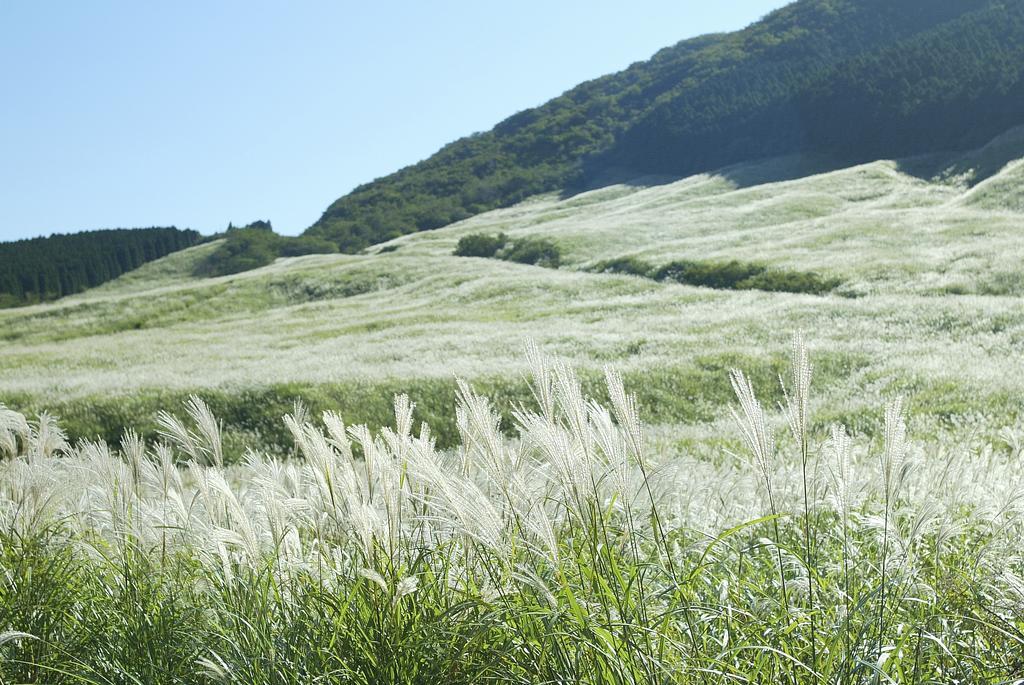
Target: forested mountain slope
x: 47, y: 268
x: 844, y: 80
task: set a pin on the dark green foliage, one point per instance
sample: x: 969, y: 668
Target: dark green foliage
x: 624, y: 265
x: 480, y: 245
x: 850, y: 80
x: 42, y: 269
x: 722, y: 275
x: 243, y: 249
x: 731, y: 275
x: 536, y: 251
x: 786, y: 281
x: 259, y: 225
x: 257, y: 245
x: 952, y: 88
x: 303, y: 245
x: 796, y: 83
x: 734, y: 275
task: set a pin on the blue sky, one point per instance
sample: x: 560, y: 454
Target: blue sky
x: 125, y: 114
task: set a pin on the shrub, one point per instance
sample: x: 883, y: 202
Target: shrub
x: 243, y: 249
x: 480, y: 245
x: 624, y: 265
x: 538, y: 251
x: 722, y: 275
x: 778, y: 280
x: 258, y: 225
x: 734, y: 275
x: 257, y: 245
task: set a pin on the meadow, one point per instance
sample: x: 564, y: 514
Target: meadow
x: 571, y: 554
x: 277, y: 477
x: 927, y: 305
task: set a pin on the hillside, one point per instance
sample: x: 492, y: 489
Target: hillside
x: 40, y: 269
x: 838, y: 81
x: 928, y: 306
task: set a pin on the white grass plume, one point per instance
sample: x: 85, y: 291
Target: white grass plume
x: 203, y: 442
x: 754, y: 426
x: 14, y: 432
x: 47, y: 437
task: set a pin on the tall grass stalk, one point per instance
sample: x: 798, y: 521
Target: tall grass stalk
x: 796, y: 408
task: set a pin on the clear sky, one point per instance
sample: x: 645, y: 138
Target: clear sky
x: 195, y: 113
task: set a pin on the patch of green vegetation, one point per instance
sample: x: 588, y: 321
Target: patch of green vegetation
x: 624, y: 265
x: 734, y: 275
x: 1003, y: 283
x: 731, y: 275
x: 257, y: 245
x: 480, y: 245
x: 789, y: 281
x: 535, y: 251
x: 253, y: 416
x: 721, y: 275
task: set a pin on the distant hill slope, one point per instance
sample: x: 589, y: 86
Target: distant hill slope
x: 928, y: 307
x: 41, y: 269
x: 854, y: 80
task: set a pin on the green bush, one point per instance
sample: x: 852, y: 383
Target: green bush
x: 721, y: 275
x: 480, y: 245
x: 624, y: 265
x: 778, y: 280
x: 538, y: 251
x: 242, y: 250
x: 7, y: 300
x: 734, y: 275
x: 257, y: 245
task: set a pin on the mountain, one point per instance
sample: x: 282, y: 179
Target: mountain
x: 40, y: 269
x: 839, y: 81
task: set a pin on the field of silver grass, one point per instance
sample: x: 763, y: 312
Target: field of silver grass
x: 572, y: 553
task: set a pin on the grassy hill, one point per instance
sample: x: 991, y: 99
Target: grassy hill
x: 844, y: 81
x: 928, y: 305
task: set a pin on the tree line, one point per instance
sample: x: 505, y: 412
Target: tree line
x: 46, y: 268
